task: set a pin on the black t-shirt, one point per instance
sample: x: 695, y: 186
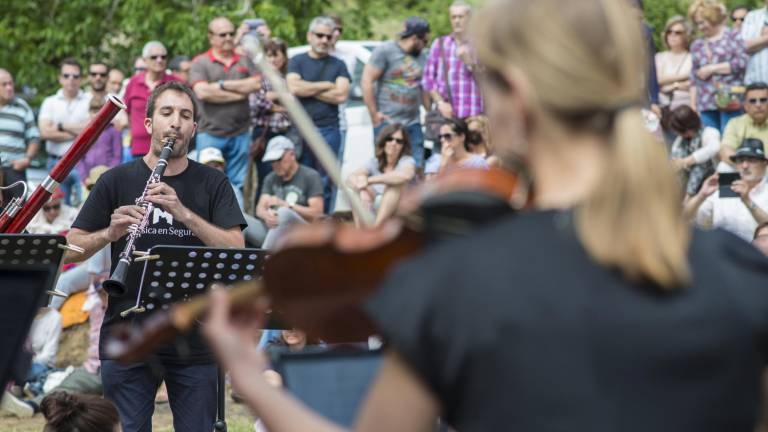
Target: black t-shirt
x: 517, y: 328
x: 327, y: 68
x: 204, y: 190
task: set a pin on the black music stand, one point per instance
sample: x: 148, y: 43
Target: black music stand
x: 176, y: 273
x: 29, y: 265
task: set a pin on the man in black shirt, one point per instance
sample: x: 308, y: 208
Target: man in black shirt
x: 194, y: 206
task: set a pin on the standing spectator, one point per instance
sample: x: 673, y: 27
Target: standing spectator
x: 754, y: 32
x: 139, y: 65
x: 321, y: 82
x: 739, y: 215
x: 19, y: 136
x: 349, y: 57
x: 673, y: 67
x: 180, y: 66
x: 115, y: 81
x: 222, y: 80
x: 693, y: 149
x: 752, y: 124
x: 62, y: 117
x: 719, y: 61
x: 462, y: 98
x: 97, y: 80
x: 268, y: 117
x: 107, y: 150
x: 138, y: 90
x: 395, y: 70
x: 738, y: 14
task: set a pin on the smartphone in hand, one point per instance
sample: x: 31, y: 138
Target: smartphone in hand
x: 725, y: 180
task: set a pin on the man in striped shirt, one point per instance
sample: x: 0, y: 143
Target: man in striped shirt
x: 19, y: 137
x: 462, y: 98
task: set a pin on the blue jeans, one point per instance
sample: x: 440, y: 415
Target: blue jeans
x: 70, y: 187
x: 235, y: 152
x: 415, y: 134
x: 36, y: 376
x: 331, y: 135
x: 718, y: 119
x: 191, y: 394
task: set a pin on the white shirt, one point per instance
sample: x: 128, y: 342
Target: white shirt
x: 39, y: 225
x: 350, y: 59
x: 731, y: 214
x: 59, y: 109
x: 757, y: 67
x: 44, y: 337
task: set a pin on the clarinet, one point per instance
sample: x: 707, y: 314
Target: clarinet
x: 115, y: 285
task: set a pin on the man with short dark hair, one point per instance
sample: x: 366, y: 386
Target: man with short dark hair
x: 180, y: 66
x: 752, y: 124
x: 97, y: 80
x: 62, y: 117
x: 395, y: 70
x: 194, y: 206
x: 222, y: 80
x: 19, y: 136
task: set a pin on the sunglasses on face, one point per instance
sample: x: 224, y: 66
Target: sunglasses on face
x: 737, y: 19
x: 98, y: 74
x: 755, y: 101
x: 397, y: 140
x: 51, y: 207
x: 446, y: 136
x: 323, y: 35
x: 158, y: 57
x: 225, y: 34
x: 139, y: 69
x: 72, y: 76
x: 676, y: 32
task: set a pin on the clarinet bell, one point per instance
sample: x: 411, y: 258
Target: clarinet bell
x: 115, y: 285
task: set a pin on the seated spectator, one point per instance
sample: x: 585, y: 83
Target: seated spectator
x: 44, y: 343
x: 738, y: 215
x: 693, y: 148
x: 55, y: 217
x: 479, y: 125
x: 107, y: 150
x: 95, y: 270
x: 85, y: 379
x: 292, y: 193
x: 380, y: 182
x: 760, y: 240
x: 455, y: 139
x: 750, y: 125
x: 65, y: 412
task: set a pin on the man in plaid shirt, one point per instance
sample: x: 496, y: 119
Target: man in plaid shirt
x: 463, y: 99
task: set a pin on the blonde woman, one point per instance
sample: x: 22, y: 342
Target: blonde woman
x: 600, y: 311
x: 673, y: 66
x: 719, y: 62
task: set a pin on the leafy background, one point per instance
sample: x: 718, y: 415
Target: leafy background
x: 36, y: 35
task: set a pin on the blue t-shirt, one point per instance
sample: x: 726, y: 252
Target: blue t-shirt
x: 328, y: 68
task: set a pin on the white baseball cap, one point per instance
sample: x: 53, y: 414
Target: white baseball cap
x: 211, y: 154
x: 276, y: 147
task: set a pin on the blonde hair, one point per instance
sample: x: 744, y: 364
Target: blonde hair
x: 675, y: 20
x: 587, y: 76
x: 712, y: 11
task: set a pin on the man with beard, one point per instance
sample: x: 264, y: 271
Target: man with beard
x: 321, y: 82
x: 97, y: 80
x: 395, y: 68
x: 750, y: 125
x: 742, y: 214
x: 194, y: 206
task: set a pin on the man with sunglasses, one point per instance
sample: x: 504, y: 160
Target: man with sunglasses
x: 754, y: 31
x: 752, y: 124
x: 739, y: 215
x: 137, y: 93
x: 222, y: 79
x: 62, y: 117
x: 54, y: 218
x: 391, y: 83
x: 321, y: 82
x: 97, y: 80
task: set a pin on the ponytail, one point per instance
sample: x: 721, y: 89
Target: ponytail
x: 633, y: 220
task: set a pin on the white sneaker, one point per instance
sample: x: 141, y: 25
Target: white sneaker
x: 16, y: 406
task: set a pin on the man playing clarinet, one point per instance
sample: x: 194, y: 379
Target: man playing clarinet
x: 194, y: 205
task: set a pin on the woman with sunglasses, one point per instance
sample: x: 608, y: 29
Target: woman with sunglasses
x: 380, y: 182
x: 673, y: 67
x: 600, y: 309
x: 456, y: 140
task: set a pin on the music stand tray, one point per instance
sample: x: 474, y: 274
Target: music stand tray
x: 174, y: 274
x: 29, y: 265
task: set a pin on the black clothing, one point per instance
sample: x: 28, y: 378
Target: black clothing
x: 328, y: 68
x: 204, y: 190
x: 517, y: 328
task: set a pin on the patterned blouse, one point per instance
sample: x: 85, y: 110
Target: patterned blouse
x: 729, y: 48
x: 261, y: 110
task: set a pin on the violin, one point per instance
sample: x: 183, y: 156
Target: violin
x: 321, y: 274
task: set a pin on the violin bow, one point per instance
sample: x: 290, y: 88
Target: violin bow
x: 305, y: 126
